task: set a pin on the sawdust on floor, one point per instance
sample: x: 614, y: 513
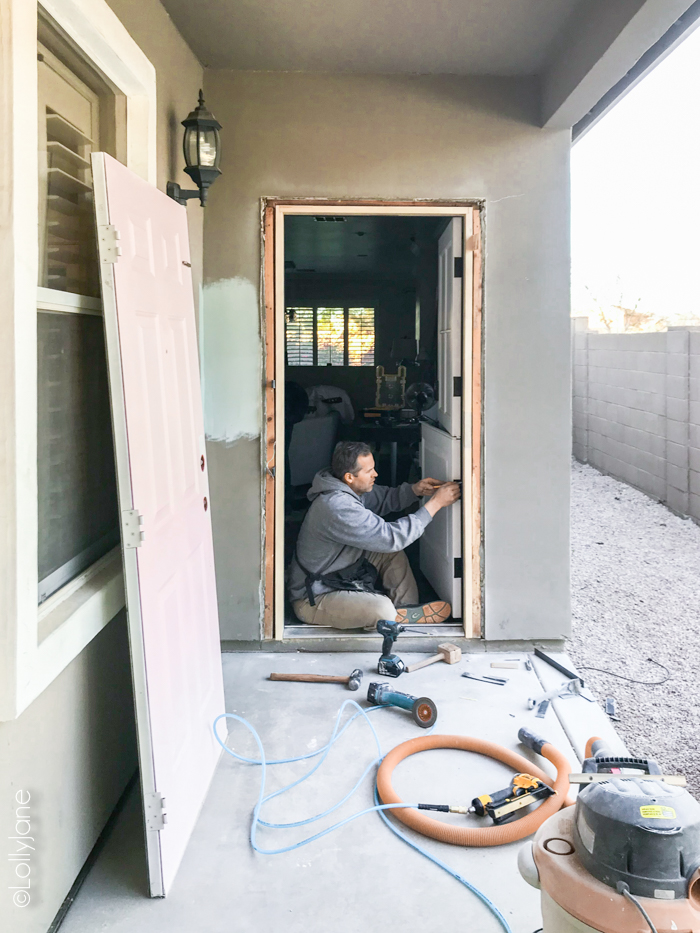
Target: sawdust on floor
x: 635, y: 587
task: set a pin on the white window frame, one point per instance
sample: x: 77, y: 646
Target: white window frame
x: 81, y: 609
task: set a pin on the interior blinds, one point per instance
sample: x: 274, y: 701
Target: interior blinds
x: 68, y: 111
x: 299, y: 331
x: 330, y: 337
x: 360, y: 336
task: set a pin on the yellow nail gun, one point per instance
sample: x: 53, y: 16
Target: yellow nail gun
x: 502, y: 805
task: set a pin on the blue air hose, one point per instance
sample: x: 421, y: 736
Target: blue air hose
x: 323, y: 752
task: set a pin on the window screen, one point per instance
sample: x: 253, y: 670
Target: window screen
x: 78, y: 515
x: 329, y: 336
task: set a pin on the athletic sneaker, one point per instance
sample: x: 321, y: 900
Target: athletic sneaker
x: 427, y: 614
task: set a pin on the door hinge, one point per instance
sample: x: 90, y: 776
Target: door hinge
x: 458, y: 568
x: 459, y: 267
x: 273, y: 384
x: 154, y: 808
x: 132, y: 533
x: 109, y: 237
x: 457, y: 386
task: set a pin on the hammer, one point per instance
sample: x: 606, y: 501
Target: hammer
x: 353, y: 681
x: 448, y: 652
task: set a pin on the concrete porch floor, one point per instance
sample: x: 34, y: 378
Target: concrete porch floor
x: 361, y: 877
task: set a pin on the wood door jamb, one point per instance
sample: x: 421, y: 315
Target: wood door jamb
x: 272, y: 279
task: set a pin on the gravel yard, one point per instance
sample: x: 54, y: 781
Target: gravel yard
x: 635, y: 570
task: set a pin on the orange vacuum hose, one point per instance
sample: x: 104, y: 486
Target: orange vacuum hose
x: 491, y: 835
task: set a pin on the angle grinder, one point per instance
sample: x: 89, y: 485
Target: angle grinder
x: 422, y: 709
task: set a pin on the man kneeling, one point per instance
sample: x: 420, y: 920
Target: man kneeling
x: 345, y: 546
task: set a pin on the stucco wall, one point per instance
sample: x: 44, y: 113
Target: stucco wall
x: 178, y: 79
x: 72, y: 751
x: 74, y: 748
x: 403, y: 137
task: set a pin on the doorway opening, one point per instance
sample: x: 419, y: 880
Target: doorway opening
x: 373, y: 334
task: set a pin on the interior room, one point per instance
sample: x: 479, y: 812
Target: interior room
x: 363, y: 298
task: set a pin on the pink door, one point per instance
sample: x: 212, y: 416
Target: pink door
x: 164, y: 502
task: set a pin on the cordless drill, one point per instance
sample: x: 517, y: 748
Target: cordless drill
x: 390, y: 665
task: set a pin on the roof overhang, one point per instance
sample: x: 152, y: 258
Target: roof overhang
x: 683, y: 26
x: 608, y: 48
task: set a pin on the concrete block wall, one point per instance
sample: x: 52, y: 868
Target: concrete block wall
x: 636, y: 410
x: 694, y: 424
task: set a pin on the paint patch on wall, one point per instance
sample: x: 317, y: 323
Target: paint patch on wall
x: 231, y: 360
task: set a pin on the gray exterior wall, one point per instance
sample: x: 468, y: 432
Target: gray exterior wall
x: 73, y: 751
x: 636, y: 402
x: 393, y: 137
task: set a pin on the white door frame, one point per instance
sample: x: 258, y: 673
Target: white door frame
x: 274, y: 211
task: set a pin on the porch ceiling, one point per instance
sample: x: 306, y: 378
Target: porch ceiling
x: 488, y: 37
x: 582, y: 50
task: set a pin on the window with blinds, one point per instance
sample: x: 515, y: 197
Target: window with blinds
x: 329, y: 336
x: 299, y: 332
x: 78, y: 514
x: 68, y: 128
x: 360, y: 336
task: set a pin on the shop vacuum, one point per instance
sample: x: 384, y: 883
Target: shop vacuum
x: 624, y: 859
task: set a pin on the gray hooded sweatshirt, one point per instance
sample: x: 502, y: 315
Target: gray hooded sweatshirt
x: 341, y: 525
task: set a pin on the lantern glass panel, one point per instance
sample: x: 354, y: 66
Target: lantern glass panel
x: 208, y: 147
x: 189, y: 145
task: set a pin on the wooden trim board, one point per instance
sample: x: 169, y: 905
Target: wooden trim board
x: 278, y: 575
x: 477, y: 427
x: 269, y: 414
x: 273, y: 213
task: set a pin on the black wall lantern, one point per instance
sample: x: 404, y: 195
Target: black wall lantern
x: 201, y: 146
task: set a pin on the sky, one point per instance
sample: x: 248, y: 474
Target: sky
x: 636, y: 197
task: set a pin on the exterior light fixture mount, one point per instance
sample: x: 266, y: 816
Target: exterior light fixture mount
x: 202, y: 151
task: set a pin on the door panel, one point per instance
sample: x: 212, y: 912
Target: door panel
x: 450, y: 327
x: 158, y: 427
x: 441, y: 542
